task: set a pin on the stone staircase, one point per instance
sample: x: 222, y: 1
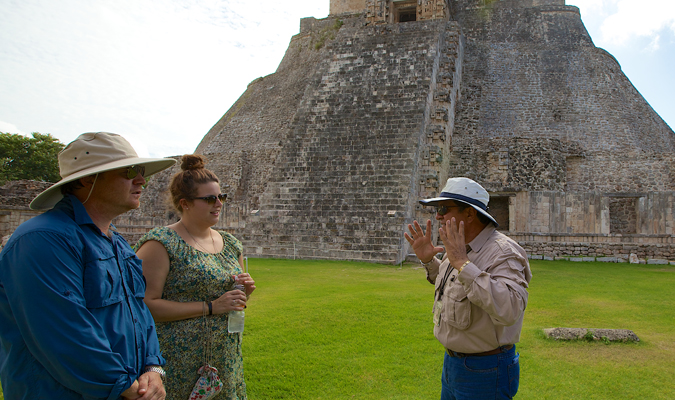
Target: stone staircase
x: 347, y: 180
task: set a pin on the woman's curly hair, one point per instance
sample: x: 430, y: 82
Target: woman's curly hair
x: 184, y: 184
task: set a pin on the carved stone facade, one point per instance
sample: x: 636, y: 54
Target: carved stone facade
x: 338, y: 7
x: 397, y: 11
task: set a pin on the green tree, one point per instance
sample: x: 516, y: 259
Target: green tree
x: 35, y: 158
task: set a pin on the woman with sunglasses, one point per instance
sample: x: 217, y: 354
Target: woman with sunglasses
x: 191, y: 270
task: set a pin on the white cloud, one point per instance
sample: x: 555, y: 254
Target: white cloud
x: 159, y: 71
x: 592, y: 6
x: 654, y: 44
x: 6, y: 127
x: 639, y: 19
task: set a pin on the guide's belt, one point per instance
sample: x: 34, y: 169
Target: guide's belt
x: 501, y: 349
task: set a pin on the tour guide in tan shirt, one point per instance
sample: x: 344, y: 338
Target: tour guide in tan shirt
x: 481, y: 293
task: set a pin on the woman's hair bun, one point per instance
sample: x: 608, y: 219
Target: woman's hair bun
x: 192, y: 161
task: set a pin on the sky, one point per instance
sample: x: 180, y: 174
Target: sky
x: 162, y: 72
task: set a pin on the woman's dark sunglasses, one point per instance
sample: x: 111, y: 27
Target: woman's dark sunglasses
x: 442, y: 210
x: 212, y: 199
x: 135, y: 170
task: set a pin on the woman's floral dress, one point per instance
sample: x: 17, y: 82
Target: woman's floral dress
x: 198, y: 276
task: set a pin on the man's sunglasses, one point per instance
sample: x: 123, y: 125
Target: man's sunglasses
x: 135, y: 170
x: 442, y: 210
x: 212, y: 199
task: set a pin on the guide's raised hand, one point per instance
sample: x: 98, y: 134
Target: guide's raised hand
x: 452, y: 235
x: 421, y: 241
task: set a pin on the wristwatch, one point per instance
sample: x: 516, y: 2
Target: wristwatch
x: 158, y: 369
x: 427, y: 264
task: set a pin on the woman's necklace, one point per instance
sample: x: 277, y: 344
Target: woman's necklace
x: 213, y: 242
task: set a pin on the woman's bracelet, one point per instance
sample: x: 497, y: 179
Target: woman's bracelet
x: 210, y: 308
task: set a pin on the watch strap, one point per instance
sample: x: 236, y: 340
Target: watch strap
x: 158, y: 369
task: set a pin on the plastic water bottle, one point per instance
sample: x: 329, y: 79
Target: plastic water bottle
x: 235, y: 321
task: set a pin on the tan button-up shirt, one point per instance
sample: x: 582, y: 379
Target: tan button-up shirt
x: 483, y: 307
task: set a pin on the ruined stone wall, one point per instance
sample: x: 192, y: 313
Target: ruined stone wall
x: 19, y: 194
x: 579, y: 213
x: 617, y: 172
x: 513, y: 164
x: 589, y: 248
x: 15, y: 198
x: 524, y: 3
x: 560, y: 212
x: 591, y: 224
x: 655, y: 214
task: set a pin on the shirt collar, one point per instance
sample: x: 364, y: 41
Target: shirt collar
x: 477, y: 243
x: 73, y: 206
x: 80, y: 214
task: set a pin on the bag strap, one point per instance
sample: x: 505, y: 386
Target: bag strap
x: 207, y: 335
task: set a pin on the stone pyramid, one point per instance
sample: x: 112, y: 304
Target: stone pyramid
x: 375, y: 106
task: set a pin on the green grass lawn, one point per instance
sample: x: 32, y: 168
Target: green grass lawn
x: 342, y: 330
x: 346, y: 330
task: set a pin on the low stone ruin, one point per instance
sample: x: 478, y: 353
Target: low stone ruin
x: 591, y: 334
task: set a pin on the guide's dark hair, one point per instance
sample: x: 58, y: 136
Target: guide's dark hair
x: 481, y: 217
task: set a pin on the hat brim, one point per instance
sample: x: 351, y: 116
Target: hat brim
x: 436, y: 200
x: 52, y: 195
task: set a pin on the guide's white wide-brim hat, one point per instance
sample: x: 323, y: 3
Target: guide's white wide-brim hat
x: 467, y: 191
x: 93, y: 153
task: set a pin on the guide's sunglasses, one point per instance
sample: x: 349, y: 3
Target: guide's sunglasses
x: 135, y: 170
x: 442, y: 210
x: 212, y: 199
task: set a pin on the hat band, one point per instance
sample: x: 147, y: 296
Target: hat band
x: 465, y: 199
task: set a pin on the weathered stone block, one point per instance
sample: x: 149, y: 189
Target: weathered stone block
x: 610, y: 335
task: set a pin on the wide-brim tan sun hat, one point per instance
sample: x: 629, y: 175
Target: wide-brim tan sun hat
x: 467, y: 191
x: 92, y: 153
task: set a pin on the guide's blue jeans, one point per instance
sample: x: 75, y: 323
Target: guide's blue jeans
x: 478, y: 378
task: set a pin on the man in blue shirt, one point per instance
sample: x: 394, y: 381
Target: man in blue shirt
x: 73, y: 324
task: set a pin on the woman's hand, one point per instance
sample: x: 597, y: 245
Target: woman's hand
x: 247, y: 281
x: 233, y: 300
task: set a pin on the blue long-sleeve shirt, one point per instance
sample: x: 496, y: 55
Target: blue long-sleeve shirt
x: 73, y: 324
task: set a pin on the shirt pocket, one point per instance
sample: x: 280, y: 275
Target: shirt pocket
x: 457, y: 307
x: 135, y: 268
x: 102, y: 282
